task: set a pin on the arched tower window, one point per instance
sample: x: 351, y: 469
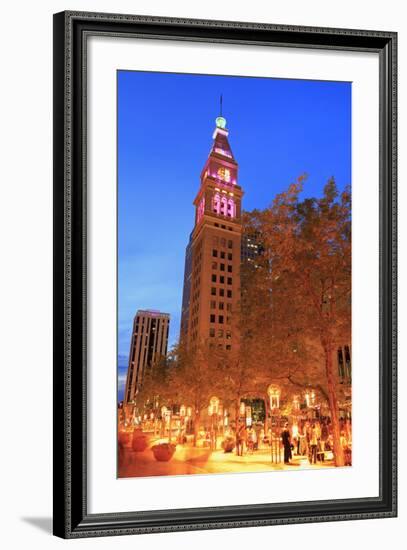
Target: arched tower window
x: 216, y: 203
x: 223, y: 206
x: 231, y: 208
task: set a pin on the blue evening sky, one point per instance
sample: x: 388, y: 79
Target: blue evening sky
x: 279, y: 129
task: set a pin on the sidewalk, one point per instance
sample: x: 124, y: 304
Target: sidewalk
x: 192, y: 460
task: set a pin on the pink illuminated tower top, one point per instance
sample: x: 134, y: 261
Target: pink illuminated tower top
x: 219, y: 194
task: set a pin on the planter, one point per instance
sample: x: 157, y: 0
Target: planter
x: 163, y: 452
x: 140, y: 441
x: 124, y: 438
x: 228, y: 445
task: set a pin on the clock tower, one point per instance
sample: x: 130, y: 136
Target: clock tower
x: 211, y: 295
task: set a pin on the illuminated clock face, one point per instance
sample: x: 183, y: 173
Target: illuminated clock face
x: 224, y: 173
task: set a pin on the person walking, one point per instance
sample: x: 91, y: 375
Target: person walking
x: 250, y: 441
x: 286, y: 439
x: 324, y: 436
x: 314, y: 444
x: 240, y: 438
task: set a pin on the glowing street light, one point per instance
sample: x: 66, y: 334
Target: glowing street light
x: 310, y: 398
x: 274, y: 392
x: 214, y: 403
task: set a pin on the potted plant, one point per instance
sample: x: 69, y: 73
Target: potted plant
x: 124, y: 438
x: 163, y: 452
x: 140, y: 441
x: 228, y: 444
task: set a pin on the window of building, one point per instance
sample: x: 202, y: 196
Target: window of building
x: 222, y: 255
x: 220, y: 319
x: 223, y: 226
x: 229, y: 306
x: 230, y: 244
x: 228, y: 335
x: 220, y: 333
x: 229, y: 294
x: 213, y: 291
x: 228, y: 347
x: 213, y: 304
x: 211, y: 332
x: 214, y: 265
x: 223, y: 242
x: 229, y: 255
x: 214, y: 278
x: 222, y: 279
x: 229, y: 280
x: 216, y: 225
x: 221, y: 305
x: 221, y: 292
x: 228, y: 320
x: 214, y: 253
x: 222, y: 267
x: 229, y: 269
x: 212, y: 318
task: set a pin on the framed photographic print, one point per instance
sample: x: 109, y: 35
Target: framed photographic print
x: 224, y: 274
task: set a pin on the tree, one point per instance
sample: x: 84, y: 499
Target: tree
x: 307, y: 273
x: 194, y: 376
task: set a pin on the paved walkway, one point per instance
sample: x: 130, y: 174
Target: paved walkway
x: 191, y: 460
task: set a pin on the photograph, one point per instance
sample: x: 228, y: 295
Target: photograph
x: 234, y: 271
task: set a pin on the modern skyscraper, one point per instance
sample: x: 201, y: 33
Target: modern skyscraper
x: 149, y: 343
x: 213, y: 256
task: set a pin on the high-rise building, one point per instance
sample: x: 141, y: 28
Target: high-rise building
x: 186, y: 293
x: 251, y: 248
x: 213, y: 256
x: 149, y: 343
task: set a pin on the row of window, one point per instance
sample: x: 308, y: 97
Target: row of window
x: 220, y: 254
x: 223, y: 226
x: 221, y: 279
x: 228, y: 347
x: 221, y: 319
x: 222, y: 242
x: 221, y: 333
x: 221, y: 292
x: 222, y: 267
x: 221, y: 305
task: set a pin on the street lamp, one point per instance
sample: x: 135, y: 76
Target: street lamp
x: 213, y: 411
x: 214, y: 402
x: 182, y: 414
x: 310, y: 398
x: 274, y: 393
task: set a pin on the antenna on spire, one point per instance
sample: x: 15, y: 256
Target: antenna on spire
x: 220, y: 121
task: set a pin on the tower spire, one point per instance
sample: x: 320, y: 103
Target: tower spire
x: 220, y: 120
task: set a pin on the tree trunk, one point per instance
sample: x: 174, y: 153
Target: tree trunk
x: 196, y: 426
x: 333, y: 406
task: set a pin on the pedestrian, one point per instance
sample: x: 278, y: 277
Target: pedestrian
x: 251, y: 439
x: 314, y: 444
x: 240, y: 438
x: 286, y: 439
x: 258, y: 434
